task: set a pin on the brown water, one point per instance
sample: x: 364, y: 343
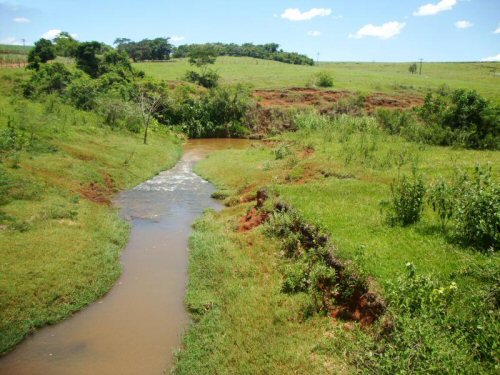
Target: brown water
x: 137, y: 326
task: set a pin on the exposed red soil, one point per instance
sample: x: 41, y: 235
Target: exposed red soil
x: 307, y: 97
x: 99, y: 193
x: 255, y: 216
x: 252, y: 219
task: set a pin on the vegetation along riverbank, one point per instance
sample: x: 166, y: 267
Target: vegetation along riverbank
x: 361, y: 232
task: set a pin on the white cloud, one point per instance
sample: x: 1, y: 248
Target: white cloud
x: 294, y: 14
x: 314, y: 33
x: 463, y: 24
x: 21, y: 20
x: 51, y: 34
x: 386, y: 31
x: 177, y: 38
x: 491, y: 58
x: 497, y: 31
x: 432, y: 9
x: 12, y: 41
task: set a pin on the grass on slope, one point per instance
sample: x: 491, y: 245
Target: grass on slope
x: 336, y: 179
x: 243, y: 324
x: 392, y: 78
x: 59, y: 248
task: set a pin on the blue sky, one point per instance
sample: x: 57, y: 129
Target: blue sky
x: 339, y: 30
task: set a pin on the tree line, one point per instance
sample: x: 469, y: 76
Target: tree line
x: 269, y: 51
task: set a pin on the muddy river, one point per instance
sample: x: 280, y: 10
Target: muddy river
x: 138, y: 325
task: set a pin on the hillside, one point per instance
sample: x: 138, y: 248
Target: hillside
x: 392, y: 78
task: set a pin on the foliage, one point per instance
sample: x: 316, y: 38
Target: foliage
x: 48, y: 79
x: 476, y: 216
x: 147, y: 49
x: 268, y: 51
x: 323, y: 79
x: 208, y: 78
x: 407, y: 199
x: 469, y: 119
x: 65, y: 45
x: 215, y: 113
x: 87, y: 59
x: 412, y: 68
x: 41, y: 53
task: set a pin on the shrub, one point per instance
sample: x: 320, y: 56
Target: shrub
x: 208, y: 79
x: 407, y: 199
x: 323, y: 79
x: 476, y: 217
x: 82, y: 92
x: 50, y: 78
x: 471, y: 120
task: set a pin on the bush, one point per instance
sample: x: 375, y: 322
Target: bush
x: 470, y: 119
x: 208, y: 79
x: 472, y: 205
x: 50, y: 78
x: 82, y: 92
x: 407, y: 199
x: 323, y: 79
x: 476, y: 217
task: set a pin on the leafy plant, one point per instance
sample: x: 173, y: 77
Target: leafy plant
x: 407, y: 199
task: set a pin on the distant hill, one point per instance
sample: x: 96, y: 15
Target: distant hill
x: 269, y: 51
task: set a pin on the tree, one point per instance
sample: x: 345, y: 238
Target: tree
x: 412, y: 68
x: 202, y: 57
x: 149, y: 103
x: 65, y: 44
x: 41, y: 53
x: 160, y: 48
x: 86, y: 57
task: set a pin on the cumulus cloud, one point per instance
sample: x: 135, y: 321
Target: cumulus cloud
x: 314, y: 33
x: 385, y: 31
x: 463, y: 24
x: 294, y: 14
x: 491, y: 58
x: 51, y: 34
x: 432, y: 9
x: 21, y: 20
x: 177, y: 38
x: 497, y: 31
x: 12, y: 41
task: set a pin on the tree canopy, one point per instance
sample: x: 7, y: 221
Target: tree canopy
x: 269, y: 51
x: 146, y: 49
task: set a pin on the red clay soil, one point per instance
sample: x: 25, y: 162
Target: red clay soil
x: 307, y: 97
x: 255, y: 216
x: 99, y: 193
x: 252, y: 219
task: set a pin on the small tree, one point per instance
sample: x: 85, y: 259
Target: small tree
x: 412, y: 68
x: 86, y: 57
x: 65, y: 44
x: 41, y: 53
x: 202, y: 57
x: 149, y: 103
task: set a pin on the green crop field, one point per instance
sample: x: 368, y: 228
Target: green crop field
x: 365, y: 77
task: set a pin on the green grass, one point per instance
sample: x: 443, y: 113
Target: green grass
x: 359, y: 167
x: 60, y: 250
x: 392, y: 78
x: 243, y: 323
x: 14, y: 49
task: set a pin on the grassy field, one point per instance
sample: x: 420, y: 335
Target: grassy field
x: 359, y: 167
x: 365, y: 77
x: 243, y: 323
x: 60, y: 240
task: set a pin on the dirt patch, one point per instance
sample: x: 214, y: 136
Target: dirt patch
x: 98, y: 192
x: 308, y: 97
x: 256, y: 216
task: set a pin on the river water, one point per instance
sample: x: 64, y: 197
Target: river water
x: 136, y: 327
